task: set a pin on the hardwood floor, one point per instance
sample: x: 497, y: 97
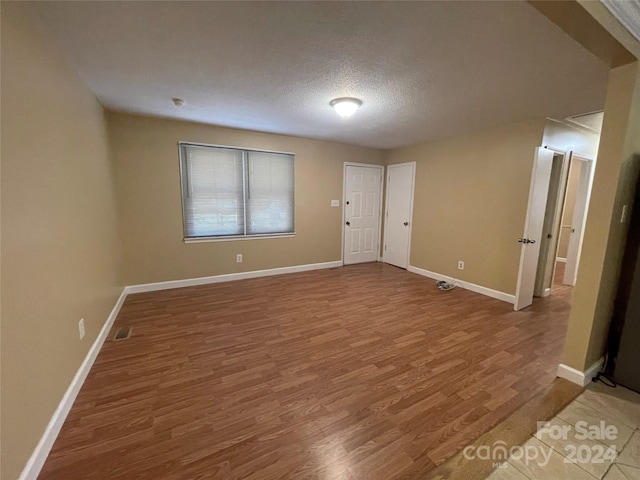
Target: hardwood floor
x: 359, y: 372
x: 514, y: 430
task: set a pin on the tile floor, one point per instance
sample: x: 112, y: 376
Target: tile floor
x: 597, y: 436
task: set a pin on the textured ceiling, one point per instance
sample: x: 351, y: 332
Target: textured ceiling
x: 422, y: 69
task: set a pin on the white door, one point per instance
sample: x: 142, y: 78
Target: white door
x: 363, y: 189
x: 538, y: 193
x: 397, y: 229
x: 579, y: 220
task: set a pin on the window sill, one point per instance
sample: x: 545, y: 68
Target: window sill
x: 242, y: 238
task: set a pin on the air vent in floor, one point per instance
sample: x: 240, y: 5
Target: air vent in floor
x: 123, y: 333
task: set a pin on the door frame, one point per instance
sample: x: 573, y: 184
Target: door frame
x: 583, y: 196
x: 344, y: 196
x: 386, y: 205
x: 556, y: 227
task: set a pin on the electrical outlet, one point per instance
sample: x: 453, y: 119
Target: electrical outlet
x: 460, y: 265
x: 239, y: 258
x: 81, y: 328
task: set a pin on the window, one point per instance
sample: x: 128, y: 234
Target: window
x: 230, y: 192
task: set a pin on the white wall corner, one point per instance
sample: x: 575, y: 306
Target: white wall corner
x: 578, y: 377
x: 489, y: 292
x: 41, y: 452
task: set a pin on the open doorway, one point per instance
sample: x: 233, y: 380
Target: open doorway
x: 564, y: 220
x: 556, y: 214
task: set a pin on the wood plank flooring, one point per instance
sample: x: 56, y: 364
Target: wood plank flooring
x: 514, y: 430
x: 360, y: 372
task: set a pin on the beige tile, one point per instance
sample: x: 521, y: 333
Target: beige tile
x: 507, y: 472
x: 630, y: 454
x: 555, y: 468
x: 618, y: 392
x: 630, y: 473
x: 615, y: 473
x: 618, y: 403
x: 596, y: 463
x: 580, y: 412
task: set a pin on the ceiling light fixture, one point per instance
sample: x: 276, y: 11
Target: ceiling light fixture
x: 178, y: 102
x: 345, y: 106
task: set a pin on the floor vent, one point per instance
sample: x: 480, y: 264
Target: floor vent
x: 123, y: 333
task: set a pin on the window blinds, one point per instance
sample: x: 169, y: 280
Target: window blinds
x: 230, y: 192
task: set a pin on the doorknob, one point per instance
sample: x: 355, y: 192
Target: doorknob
x: 530, y: 241
x: 521, y: 240
x: 526, y: 240
x: 348, y: 223
x: 406, y: 224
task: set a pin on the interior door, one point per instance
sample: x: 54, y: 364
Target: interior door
x: 397, y: 230
x: 551, y: 225
x: 530, y: 250
x: 363, y: 188
x: 578, y: 222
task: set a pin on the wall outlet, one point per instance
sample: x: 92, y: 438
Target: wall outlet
x: 239, y: 258
x: 460, y: 265
x: 81, y: 328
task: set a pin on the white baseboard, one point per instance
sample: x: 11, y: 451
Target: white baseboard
x: 229, y: 277
x: 39, y: 455
x: 41, y: 452
x: 561, y: 260
x: 578, y: 377
x: 505, y: 297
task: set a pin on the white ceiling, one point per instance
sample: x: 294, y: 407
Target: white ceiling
x: 422, y: 69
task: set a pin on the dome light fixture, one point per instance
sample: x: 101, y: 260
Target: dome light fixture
x: 345, y: 106
x: 178, y: 102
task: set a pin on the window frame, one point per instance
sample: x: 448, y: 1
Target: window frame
x: 228, y: 238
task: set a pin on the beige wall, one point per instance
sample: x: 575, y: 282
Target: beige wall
x: 59, y: 242
x: 470, y: 202
x: 145, y: 157
x: 613, y: 187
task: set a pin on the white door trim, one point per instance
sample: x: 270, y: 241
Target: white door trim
x: 386, y: 210
x: 581, y: 210
x: 344, y: 198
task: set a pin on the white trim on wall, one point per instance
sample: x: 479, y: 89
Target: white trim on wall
x: 41, y: 452
x: 229, y: 277
x: 578, y: 377
x: 505, y: 297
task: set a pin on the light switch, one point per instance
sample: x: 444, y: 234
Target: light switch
x: 335, y: 203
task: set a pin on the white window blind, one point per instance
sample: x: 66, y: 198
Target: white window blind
x: 270, y: 193
x: 228, y: 192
